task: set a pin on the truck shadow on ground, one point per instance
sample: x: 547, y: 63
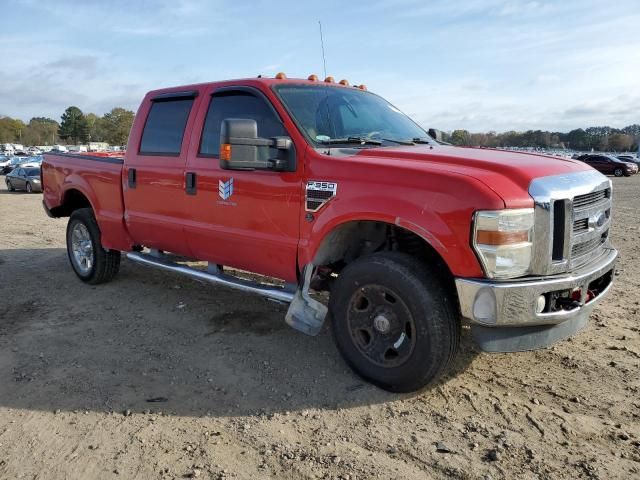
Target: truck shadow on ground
x: 154, y: 341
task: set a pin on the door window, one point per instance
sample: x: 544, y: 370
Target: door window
x: 237, y: 104
x: 164, y: 129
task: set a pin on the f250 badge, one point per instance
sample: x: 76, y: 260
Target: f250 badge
x: 318, y: 193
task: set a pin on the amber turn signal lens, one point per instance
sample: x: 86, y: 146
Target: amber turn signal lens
x: 344, y: 82
x: 281, y: 76
x: 329, y: 80
x: 225, y: 152
x: 489, y: 237
x: 313, y: 77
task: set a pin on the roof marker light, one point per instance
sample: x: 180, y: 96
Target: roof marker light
x: 281, y: 76
x: 344, y: 82
x: 362, y: 87
x: 329, y: 80
x: 313, y: 77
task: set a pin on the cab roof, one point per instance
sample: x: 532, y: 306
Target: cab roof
x: 255, y: 81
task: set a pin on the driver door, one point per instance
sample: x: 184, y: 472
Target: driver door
x: 247, y: 219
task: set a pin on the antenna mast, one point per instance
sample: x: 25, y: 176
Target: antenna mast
x: 324, y: 62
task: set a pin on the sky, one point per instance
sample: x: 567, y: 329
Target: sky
x: 479, y: 65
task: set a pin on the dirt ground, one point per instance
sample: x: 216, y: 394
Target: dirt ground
x: 157, y: 376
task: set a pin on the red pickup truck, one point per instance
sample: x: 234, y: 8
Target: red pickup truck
x: 327, y: 186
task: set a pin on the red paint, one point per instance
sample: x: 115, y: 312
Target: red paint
x: 262, y: 228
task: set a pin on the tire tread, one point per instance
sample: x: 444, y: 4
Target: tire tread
x: 107, y: 263
x: 422, y: 278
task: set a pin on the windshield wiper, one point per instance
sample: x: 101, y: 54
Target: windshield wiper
x: 352, y: 140
x: 399, y: 142
x: 421, y: 140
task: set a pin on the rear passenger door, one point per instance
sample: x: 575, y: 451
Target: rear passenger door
x: 153, y: 178
x: 248, y: 219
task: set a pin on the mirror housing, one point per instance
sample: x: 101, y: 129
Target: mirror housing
x: 242, y: 149
x: 436, y: 134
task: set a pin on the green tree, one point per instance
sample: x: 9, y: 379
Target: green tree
x: 117, y: 124
x: 41, y: 131
x: 97, y: 128
x: 74, y: 126
x: 620, y: 142
x: 11, y: 130
x: 577, y: 139
x: 460, y: 137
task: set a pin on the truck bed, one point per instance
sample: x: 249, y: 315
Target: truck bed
x: 91, y: 179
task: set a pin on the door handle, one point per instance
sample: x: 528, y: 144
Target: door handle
x: 132, y: 178
x: 190, y: 183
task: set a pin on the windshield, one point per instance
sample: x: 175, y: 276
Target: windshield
x: 325, y: 114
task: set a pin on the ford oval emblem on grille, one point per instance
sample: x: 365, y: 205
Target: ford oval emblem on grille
x: 597, y: 220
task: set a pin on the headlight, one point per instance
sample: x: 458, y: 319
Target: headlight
x: 503, y: 240
x: 36, y: 180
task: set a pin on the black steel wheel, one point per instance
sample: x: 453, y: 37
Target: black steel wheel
x: 381, y: 326
x: 393, y: 321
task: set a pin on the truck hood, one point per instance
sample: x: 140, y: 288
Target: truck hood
x: 507, y: 173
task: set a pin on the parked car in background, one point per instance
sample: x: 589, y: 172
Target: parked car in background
x: 629, y: 158
x: 35, y: 161
x: 4, y: 161
x: 77, y: 148
x: 609, y: 165
x: 24, y: 178
x: 13, y: 163
x: 7, y: 149
x: 33, y: 151
x: 59, y: 148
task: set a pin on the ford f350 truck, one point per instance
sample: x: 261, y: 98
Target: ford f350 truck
x: 328, y: 187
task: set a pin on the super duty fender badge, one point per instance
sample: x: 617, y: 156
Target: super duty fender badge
x: 318, y: 193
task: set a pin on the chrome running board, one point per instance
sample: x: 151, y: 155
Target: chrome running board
x: 213, y: 275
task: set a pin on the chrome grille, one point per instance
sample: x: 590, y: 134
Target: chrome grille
x: 573, y: 215
x: 591, y: 215
x: 588, y: 199
x: 583, y: 248
x: 581, y: 225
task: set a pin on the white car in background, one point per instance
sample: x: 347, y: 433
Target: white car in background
x: 33, y: 151
x: 4, y: 161
x: 7, y: 149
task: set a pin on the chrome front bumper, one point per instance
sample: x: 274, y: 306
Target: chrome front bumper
x: 514, y: 324
x: 513, y: 303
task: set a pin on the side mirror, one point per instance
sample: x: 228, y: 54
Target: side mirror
x: 435, y: 134
x: 242, y: 149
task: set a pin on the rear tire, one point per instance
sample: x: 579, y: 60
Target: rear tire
x: 91, y: 263
x: 618, y: 172
x: 10, y: 187
x: 393, y: 321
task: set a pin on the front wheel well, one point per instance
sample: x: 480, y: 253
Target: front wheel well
x: 73, y: 200
x: 353, y: 240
